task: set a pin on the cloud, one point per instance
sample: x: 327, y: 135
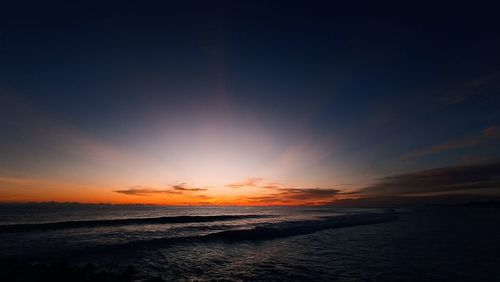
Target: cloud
x: 492, y: 131
x: 439, y: 180
x: 248, y: 182
x: 271, y: 186
x: 256, y: 182
x: 482, y: 85
x: 488, y: 135
x: 144, y: 191
x: 280, y: 193
x: 147, y: 191
x: 185, y: 187
x: 26, y: 118
x: 309, y: 193
x: 400, y: 201
x: 297, y: 195
x: 65, y: 141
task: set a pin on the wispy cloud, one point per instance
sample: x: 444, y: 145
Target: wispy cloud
x: 484, y: 84
x: 297, y: 195
x: 309, y: 193
x: 257, y: 182
x: 145, y: 191
x: 446, y: 179
x: 487, y: 136
x: 46, y: 128
x: 185, y: 187
x: 248, y: 182
x: 277, y: 193
x: 180, y: 188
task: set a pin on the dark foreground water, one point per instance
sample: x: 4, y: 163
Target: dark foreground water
x: 261, y: 244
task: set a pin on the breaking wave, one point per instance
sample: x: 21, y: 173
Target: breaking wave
x: 264, y: 232
x: 121, y: 222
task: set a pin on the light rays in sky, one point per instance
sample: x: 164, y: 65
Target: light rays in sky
x: 202, y: 159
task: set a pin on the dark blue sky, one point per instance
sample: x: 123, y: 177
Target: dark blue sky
x: 308, y: 93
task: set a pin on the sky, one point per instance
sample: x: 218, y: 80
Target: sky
x: 247, y: 102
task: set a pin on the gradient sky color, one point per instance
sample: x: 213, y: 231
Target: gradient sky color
x: 244, y: 102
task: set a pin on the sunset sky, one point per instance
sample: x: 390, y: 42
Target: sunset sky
x: 261, y: 103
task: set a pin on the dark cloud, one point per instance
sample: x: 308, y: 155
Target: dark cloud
x: 147, y: 191
x: 309, y: 193
x: 447, y: 179
x: 144, y: 191
x: 292, y: 195
x: 401, y: 201
x: 271, y: 186
x: 280, y: 193
x: 275, y: 198
x: 185, y: 187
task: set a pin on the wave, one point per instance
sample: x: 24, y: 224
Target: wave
x: 120, y: 222
x: 262, y: 232
x: 288, y: 229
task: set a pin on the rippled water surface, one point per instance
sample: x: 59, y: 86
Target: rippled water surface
x: 265, y: 244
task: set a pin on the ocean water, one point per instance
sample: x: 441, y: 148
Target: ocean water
x: 262, y: 243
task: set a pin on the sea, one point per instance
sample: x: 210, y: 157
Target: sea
x: 261, y: 243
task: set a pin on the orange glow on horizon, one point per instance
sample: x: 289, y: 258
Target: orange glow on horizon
x: 18, y: 190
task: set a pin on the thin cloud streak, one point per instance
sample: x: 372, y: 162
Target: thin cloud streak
x: 277, y: 193
x: 139, y: 191
x: 488, y: 135
x: 178, y: 189
x: 184, y: 187
x: 256, y: 182
x: 297, y: 195
x: 248, y: 182
x: 485, y: 84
